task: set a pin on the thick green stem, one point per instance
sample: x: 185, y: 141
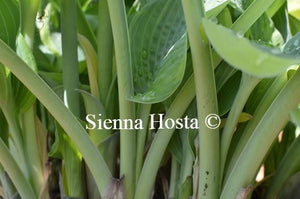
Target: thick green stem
x: 62, y: 114
x: 32, y: 154
x: 29, y: 10
x: 105, y: 51
x: 36, y: 173
x: 251, y: 14
x: 125, y: 85
x: 248, y: 83
x: 206, y: 100
x: 267, y: 100
x: 16, y: 134
x: 161, y: 140
x: 175, y: 169
x: 69, y: 54
x: 262, y: 138
x: 144, y: 111
x: 71, y: 163
x: 15, y: 173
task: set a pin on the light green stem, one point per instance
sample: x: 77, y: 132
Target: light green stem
x: 63, y: 115
x: 144, y: 111
x: 161, y: 140
x: 69, y: 54
x: 84, y: 27
x: 262, y: 138
x: 105, y: 51
x: 14, y: 172
x: 251, y: 14
x: 175, y: 169
x: 206, y: 100
x: 248, y: 83
x: 29, y: 10
x: 267, y: 100
x: 31, y: 144
x: 125, y: 85
x: 16, y: 134
x: 32, y: 154
x: 71, y: 162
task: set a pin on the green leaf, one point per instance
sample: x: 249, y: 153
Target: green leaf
x: 294, y: 24
x: 258, y: 94
x: 262, y: 30
x: 175, y: 147
x: 222, y: 74
x: 84, y: 27
x: 65, y: 149
x: 10, y: 21
x: 289, y: 165
x: 263, y: 61
x: 186, y: 189
x: 91, y: 60
x: 227, y: 93
x: 159, y: 45
x: 281, y: 21
x: 292, y: 46
x: 95, y: 107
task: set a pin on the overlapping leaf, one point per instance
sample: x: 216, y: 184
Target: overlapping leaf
x: 262, y: 61
x: 158, y: 44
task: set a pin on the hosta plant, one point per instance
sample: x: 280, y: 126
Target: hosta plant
x: 123, y: 99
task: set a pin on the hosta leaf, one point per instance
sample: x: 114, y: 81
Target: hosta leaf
x: 9, y: 21
x: 91, y: 61
x: 262, y: 30
x: 175, y: 147
x: 292, y: 46
x: 94, y: 106
x: 261, y: 60
x: 281, y: 21
x: 227, y: 93
x: 158, y: 43
x: 288, y: 166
